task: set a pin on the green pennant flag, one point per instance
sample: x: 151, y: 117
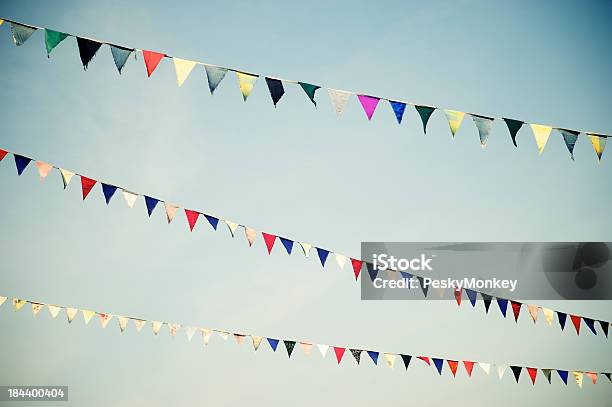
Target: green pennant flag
x: 52, y: 39
x: 425, y: 113
x: 513, y: 126
x: 310, y: 91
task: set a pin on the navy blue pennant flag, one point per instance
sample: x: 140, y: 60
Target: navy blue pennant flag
x: 503, y: 305
x: 273, y: 343
x: 322, y: 255
x: 21, y: 163
x: 214, y: 222
x: 276, y: 89
x: 516, y: 370
x: 288, y: 244
x: 563, y: 375
x: 424, y: 288
x: 486, y: 299
x: 439, y: 364
x: 562, y: 318
x: 151, y: 204
x: 406, y: 359
x: 604, y: 327
x: 472, y: 296
x: 87, y: 50
x: 108, y: 191
x: 372, y: 271
x: 374, y: 356
x: 591, y: 324
x: 398, y: 109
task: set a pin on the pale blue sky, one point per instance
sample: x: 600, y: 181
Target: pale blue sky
x: 300, y: 172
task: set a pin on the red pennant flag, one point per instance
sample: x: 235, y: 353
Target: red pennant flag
x: 576, y: 322
x: 151, y: 60
x: 458, y: 296
x: 3, y: 154
x: 87, y: 184
x: 533, y: 372
x: 453, y: 366
x: 192, y: 218
x: 339, y: 353
x: 269, y: 239
x: 356, y: 267
x: 469, y: 367
x: 424, y: 359
x: 516, y: 309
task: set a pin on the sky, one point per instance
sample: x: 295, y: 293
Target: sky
x: 300, y: 172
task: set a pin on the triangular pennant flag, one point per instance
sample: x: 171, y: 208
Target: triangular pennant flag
x: 547, y: 374
x: 592, y: 376
x: 87, y: 50
x: 108, y: 191
x: 18, y: 304
x: 36, y: 307
x: 256, y: 341
x: 273, y: 343
x: 516, y: 309
x: 43, y: 169
x: 599, y: 144
x: 439, y: 364
x: 356, y: 267
x: 472, y: 295
x: 151, y: 203
x: 156, y: 326
x: 503, y: 305
x: 54, y: 310
x: 239, y: 338
x: 533, y: 311
x: 52, y: 39
x: 306, y: 347
x: 224, y: 335
x: 189, y: 332
x: 578, y: 377
x: 486, y: 367
x: 390, y: 359
x: 86, y: 185
x: 130, y: 197
x: 501, y: 369
x: 457, y: 292
x: 604, y: 327
x: 469, y: 367
x: 104, y: 318
x: 425, y: 112
x: 513, y: 127
x: 305, y: 248
x: 338, y: 99
x: 276, y: 89
x: 151, y: 60
x: 323, y: 349
x: 269, y: 239
x: 576, y: 322
x: 406, y: 359
x: 232, y: 226
x: 424, y: 359
x: 215, y: 75
x: 486, y: 300
x: 206, y: 334
x: 453, y: 364
x: 21, y: 163
x: 170, y: 211
x: 214, y: 222
x: 609, y: 376
x: 424, y: 288
x: 484, y: 125
x: 123, y: 323
x: 287, y: 244
x: 289, y: 345
x: 540, y: 134
x: 139, y: 323
x: 245, y: 83
x: 183, y: 68
x: 548, y: 315
x: 192, y: 218
x: 455, y: 118
x: 356, y: 354
x: 87, y: 315
x: 21, y: 33
x: 533, y: 372
x: 3, y: 154
x: 310, y: 90
x: 341, y: 260
x: 563, y: 375
x: 250, y: 234
x: 562, y: 318
x: 374, y: 356
x: 369, y: 104
x: 398, y: 108
x: 173, y: 329
x: 71, y: 313
x: 570, y: 137
x: 120, y: 55
x: 66, y: 176
x: 339, y: 353
x: 322, y: 255
x: 372, y: 271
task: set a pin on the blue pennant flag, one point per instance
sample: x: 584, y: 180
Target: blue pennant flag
x: 407, y: 276
x: 562, y: 318
x: 591, y: 324
x: 151, y: 204
x: 322, y: 255
x: 212, y: 220
x: 439, y: 364
x: 273, y: 343
x: 398, y: 109
x: 287, y: 243
x: 21, y: 162
x: 472, y: 296
x: 215, y: 75
x: 374, y: 356
x: 503, y: 305
x: 563, y: 375
x: 108, y: 191
x: 120, y: 55
x: 372, y: 271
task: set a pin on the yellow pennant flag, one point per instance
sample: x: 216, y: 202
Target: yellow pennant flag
x: 2, y: 299
x: 305, y: 248
x: 455, y: 118
x: 246, y: 82
x: 87, y: 315
x: 390, y: 359
x: 548, y: 314
x: 578, y: 377
x: 36, y: 308
x: 232, y: 226
x: 71, y: 313
x: 104, y: 318
x: 256, y: 341
x: 43, y: 169
x: 54, y: 310
x: 66, y: 176
x: 1, y: 21
x: 156, y: 325
x: 599, y: 144
x: 183, y: 68
x: 541, y: 134
x: 139, y: 323
x: 206, y: 334
x: 250, y: 234
x: 130, y: 197
x: 123, y: 323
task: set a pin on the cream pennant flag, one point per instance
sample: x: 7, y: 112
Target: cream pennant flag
x: 455, y: 118
x: 339, y: 99
x: 206, y: 333
x: 250, y: 234
x: 71, y: 313
x: 323, y: 349
x: 239, y: 338
x: 256, y: 341
x: 130, y: 197
x: 36, y: 307
x: 305, y: 248
x: 66, y: 176
x: 174, y: 328
x: 540, y: 134
x: 486, y: 367
x: 501, y: 369
x: 232, y: 226
x: 170, y: 211
x: 104, y: 319
x: 2, y: 299
x: 156, y: 326
x: 306, y: 347
x: 599, y: 144
x: 190, y: 331
x: 18, y: 304
x: 341, y: 260
x: 87, y: 315
x: 139, y: 323
x: 548, y: 314
x: 43, y: 169
x: 578, y: 377
x: 54, y: 310
x: 246, y: 82
x: 390, y: 359
x: 182, y: 68
x: 533, y: 311
x: 223, y: 334
x: 123, y: 323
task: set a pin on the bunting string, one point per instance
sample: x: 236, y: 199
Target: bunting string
x: 193, y: 216
x: 88, y: 48
x: 240, y: 338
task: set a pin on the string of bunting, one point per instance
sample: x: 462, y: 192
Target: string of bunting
x: 306, y: 346
x: 193, y: 216
x: 88, y: 48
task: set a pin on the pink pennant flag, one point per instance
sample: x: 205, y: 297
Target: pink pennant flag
x: 369, y: 104
x: 43, y: 169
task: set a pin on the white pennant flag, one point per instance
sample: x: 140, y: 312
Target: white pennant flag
x: 339, y: 99
x: 139, y: 323
x: 71, y: 313
x: 251, y: 234
x: 306, y: 248
x: 54, y: 310
x: 104, y: 318
x: 189, y: 331
x: 66, y: 176
x: 206, y: 333
x: 87, y: 315
x: 170, y: 211
x: 390, y: 359
x: 156, y: 326
x: 323, y: 349
x: 2, y: 299
x: 548, y: 315
x: 182, y: 68
x: 486, y: 367
x: 501, y: 369
x: 36, y: 308
x: 341, y: 260
x: 232, y: 226
x: 123, y: 323
x: 223, y: 334
x: 130, y: 197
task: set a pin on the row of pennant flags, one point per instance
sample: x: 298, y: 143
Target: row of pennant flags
x: 251, y: 234
x: 88, y: 48
x: 306, y: 346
